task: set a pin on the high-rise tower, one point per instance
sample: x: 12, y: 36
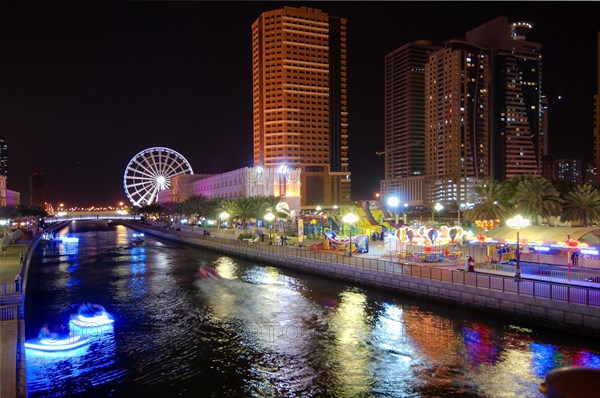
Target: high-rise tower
x: 456, y: 122
x: 405, y: 122
x: 597, y: 122
x: 3, y: 157
x: 37, y: 184
x: 299, y: 87
x: 516, y: 133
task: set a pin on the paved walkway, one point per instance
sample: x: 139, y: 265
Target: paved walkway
x: 10, y: 265
x: 11, y: 261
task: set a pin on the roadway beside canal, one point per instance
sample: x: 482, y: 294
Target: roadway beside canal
x: 558, y: 306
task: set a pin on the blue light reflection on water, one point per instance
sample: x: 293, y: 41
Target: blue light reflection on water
x: 585, y: 358
x: 265, y: 331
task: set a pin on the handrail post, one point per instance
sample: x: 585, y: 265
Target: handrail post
x: 587, y: 296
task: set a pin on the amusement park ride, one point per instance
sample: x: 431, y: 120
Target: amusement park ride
x: 386, y: 229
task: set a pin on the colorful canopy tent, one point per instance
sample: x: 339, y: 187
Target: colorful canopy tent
x: 548, y: 235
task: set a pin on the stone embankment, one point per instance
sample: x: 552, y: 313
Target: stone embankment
x: 553, y: 305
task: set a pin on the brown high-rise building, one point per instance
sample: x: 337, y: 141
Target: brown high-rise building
x: 299, y: 87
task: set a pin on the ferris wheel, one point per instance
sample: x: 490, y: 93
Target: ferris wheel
x: 150, y: 171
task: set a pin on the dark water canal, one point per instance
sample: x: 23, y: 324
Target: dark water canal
x: 263, y: 331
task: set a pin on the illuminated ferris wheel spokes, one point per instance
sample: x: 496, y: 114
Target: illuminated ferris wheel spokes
x: 150, y: 171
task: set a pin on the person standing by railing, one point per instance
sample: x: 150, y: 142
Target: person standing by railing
x: 18, y: 282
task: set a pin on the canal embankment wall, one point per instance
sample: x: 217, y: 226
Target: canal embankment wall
x: 552, y: 305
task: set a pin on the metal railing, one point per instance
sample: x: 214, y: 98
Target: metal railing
x: 545, y: 273
x: 583, y: 295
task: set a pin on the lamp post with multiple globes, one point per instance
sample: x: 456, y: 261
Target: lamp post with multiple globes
x: 517, y: 222
x: 437, y: 208
x: 270, y: 217
x: 223, y: 216
x: 393, y: 203
x: 350, y: 219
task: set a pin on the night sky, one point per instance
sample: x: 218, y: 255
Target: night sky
x: 86, y: 86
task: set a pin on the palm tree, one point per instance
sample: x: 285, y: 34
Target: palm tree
x: 173, y: 208
x: 245, y: 209
x: 510, y: 188
x: 491, y: 204
x: 563, y: 186
x: 537, y: 197
x: 227, y: 205
x: 269, y: 203
x: 199, y: 205
x: 582, y: 205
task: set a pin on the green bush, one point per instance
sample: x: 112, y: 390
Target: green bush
x: 245, y: 236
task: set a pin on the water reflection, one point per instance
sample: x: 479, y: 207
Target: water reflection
x: 270, y: 324
x: 265, y: 331
x: 351, y: 354
x: 395, y: 363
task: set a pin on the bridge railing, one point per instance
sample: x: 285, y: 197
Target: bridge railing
x: 130, y: 217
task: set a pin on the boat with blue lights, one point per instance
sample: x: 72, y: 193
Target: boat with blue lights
x: 137, y: 239
x: 57, y: 344
x: 49, y: 237
x: 91, y: 316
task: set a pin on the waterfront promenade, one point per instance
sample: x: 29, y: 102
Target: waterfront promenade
x: 11, y: 323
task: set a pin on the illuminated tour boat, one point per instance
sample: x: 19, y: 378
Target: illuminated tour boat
x: 91, y: 316
x: 55, y: 344
x: 137, y: 239
x: 50, y: 237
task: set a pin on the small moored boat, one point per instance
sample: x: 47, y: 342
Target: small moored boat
x: 52, y: 344
x: 91, y: 315
x: 138, y: 239
x: 207, y: 272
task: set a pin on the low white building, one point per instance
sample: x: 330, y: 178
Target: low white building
x: 240, y: 183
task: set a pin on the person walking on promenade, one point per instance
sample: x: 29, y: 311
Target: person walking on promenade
x: 18, y: 282
x: 469, y: 264
x: 575, y: 258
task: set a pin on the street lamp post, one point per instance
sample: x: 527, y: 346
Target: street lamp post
x: 438, y: 207
x: 350, y: 219
x: 393, y: 203
x: 318, y: 214
x: 517, y: 222
x: 270, y: 217
x: 335, y: 207
x: 223, y: 216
